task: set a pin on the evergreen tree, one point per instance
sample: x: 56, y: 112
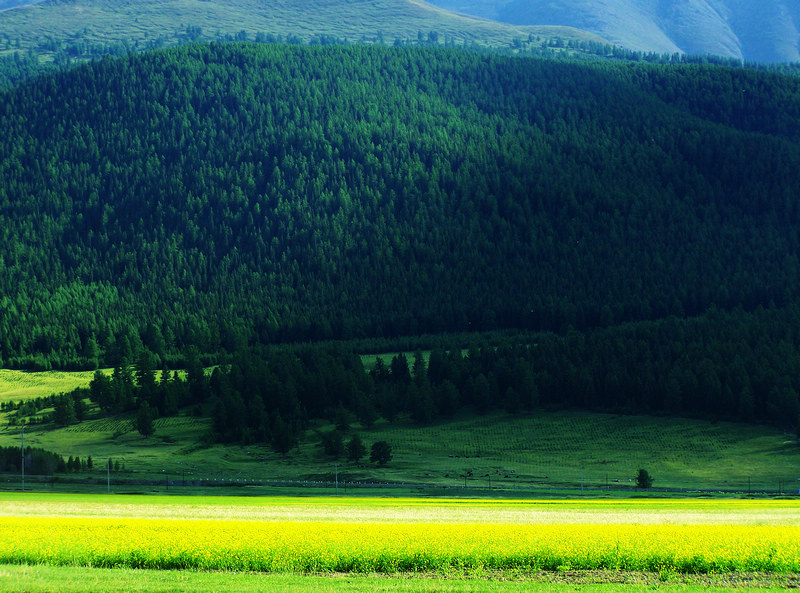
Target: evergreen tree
x: 144, y: 420
x: 64, y: 412
x: 123, y: 387
x: 399, y: 369
x: 283, y: 437
x: 356, y: 449
x: 195, y: 377
x: 643, y: 479
x: 102, y: 392
x: 146, y: 378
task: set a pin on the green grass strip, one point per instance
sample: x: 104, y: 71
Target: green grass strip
x: 47, y: 579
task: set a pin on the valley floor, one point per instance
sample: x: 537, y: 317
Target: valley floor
x: 532, y: 454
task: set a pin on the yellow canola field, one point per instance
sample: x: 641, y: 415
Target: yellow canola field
x: 290, y: 546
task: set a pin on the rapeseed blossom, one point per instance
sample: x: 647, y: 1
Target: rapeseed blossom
x: 316, y: 546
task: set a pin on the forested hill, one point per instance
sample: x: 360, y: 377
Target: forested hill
x: 218, y: 194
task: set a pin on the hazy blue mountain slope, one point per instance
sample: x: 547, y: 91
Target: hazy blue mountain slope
x: 7, y: 4
x: 744, y: 29
x: 696, y: 26
x: 768, y: 30
x: 626, y: 22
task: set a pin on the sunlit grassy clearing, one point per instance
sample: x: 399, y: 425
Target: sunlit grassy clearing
x: 409, y: 510
x: 23, y: 385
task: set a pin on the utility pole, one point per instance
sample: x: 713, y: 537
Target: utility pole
x: 336, y: 465
x: 22, y: 453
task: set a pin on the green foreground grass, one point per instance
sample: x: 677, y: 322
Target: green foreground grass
x: 45, y: 579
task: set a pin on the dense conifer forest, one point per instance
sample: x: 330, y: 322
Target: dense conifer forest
x: 634, y: 224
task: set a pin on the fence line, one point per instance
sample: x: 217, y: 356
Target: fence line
x: 118, y: 484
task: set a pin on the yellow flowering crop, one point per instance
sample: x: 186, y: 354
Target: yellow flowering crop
x: 389, y: 547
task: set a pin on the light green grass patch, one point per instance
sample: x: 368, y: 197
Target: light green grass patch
x: 45, y: 579
x: 23, y: 385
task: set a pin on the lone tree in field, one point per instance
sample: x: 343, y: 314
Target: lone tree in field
x: 381, y: 453
x: 356, y: 449
x: 643, y: 479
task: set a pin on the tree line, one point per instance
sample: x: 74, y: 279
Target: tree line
x: 733, y: 366
x: 40, y: 462
x: 37, y: 461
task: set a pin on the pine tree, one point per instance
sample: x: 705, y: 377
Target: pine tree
x: 64, y: 412
x: 144, y: 420
x: 356, y: 449
x: 643, y: 479
x: 102, y: 392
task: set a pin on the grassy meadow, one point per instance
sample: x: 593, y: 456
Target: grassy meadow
x: 21, y: 385
x: 529, y: 453
x: 546, y: 451
x: 146, y: 23
x: 346, y: 544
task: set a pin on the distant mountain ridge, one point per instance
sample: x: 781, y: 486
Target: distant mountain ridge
x: 751, y: 30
